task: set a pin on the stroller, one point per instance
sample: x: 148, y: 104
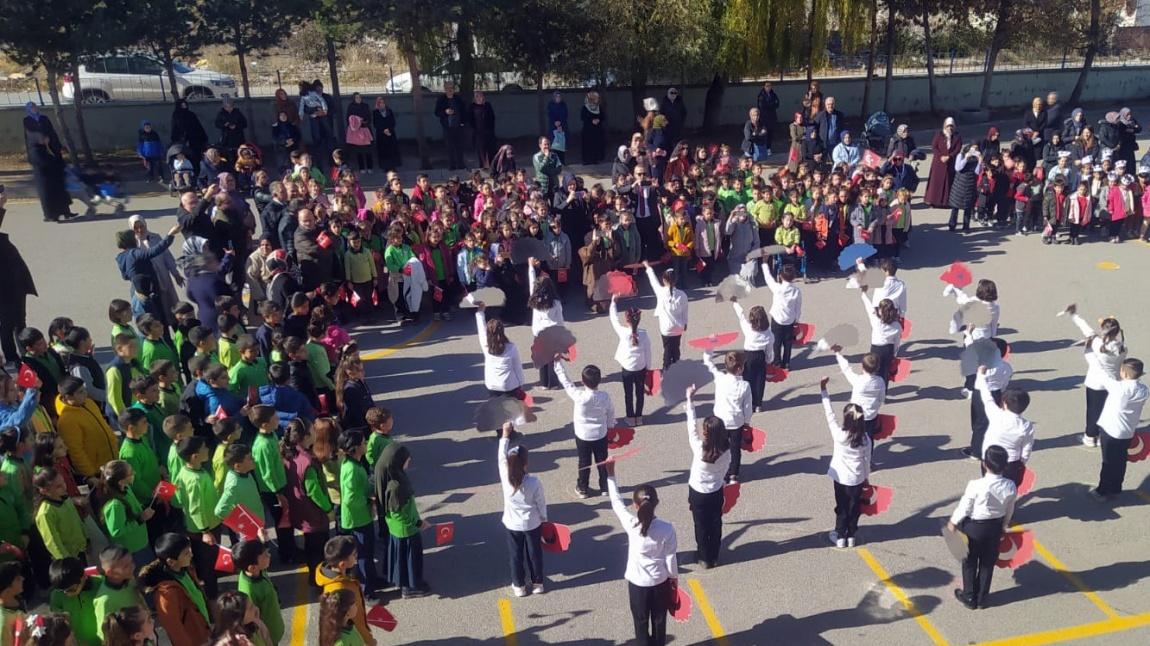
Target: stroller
x: 877, y: 131
x: 182, y: 180
x: 95, y: 188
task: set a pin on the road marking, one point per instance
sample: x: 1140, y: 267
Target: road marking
x: 299, y: 615
x: 1074, y: 580
x: 387, y: 352
x: 508, y: 622
x: 708, y: 613
x: 1108, y: 265
x: 1082, y: 631
x: 884, y: 577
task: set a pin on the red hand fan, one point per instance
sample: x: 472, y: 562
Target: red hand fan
x: 444, y: 533
x: 653, y: 382
x: 713, y: 341
x: 556, y: 537
x: 958, y: 274
x: 804, y: 332
x: 1139, y: 447
x: 561, y: 275
x: 572, y: 353
x: 1015, y: 548
x: 1006, y: 355
x: 620, y: 283
x: 680, y: 609
x: 753, y: 439
x: 619, y: 437
x: 886, y: 426
x: 899, y: 369
x: 528, y: 400
x: 224, y: 562
x: 700, y: 266
x: 776, y: 374
x: 1027, y: 484
x: 875, y: 499
x: 243, y: 522
x: 731, y: 496
x: 380, y: 617
x: 905, y: 334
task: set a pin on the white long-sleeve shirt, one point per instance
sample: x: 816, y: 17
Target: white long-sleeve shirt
x: 1124, y: 401
x: 850, y: 465
x: 732, y: 395
x: 989, y: 497
x: 592, y: 412
x: 542, y: 319
x: 1012, y: 432
x: 894, y: 289
x: 501, y: 372
x: 755, y: 339
x: 988, y: 331
x: 786, y: 301
x: 670, y: 306
x: 523, y: 509
x: 651, y: 559
x: 868, y: 391
x: 881, y: 333
x: 1103, y: 360
x: 998, y: 376
x: 631, y: 356
x: 705, y: 477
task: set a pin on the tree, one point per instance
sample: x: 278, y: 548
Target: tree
x: 928, y: 45
x: 168, y: 29
x: 870, y: 59
x: 1100, y: 27
x: 247, y: 26
x: 890, y: 50
x: 340, y: 22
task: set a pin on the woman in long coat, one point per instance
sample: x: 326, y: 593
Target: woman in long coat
x: 483, y: 128
x: 386, y: 143
x: 594, y: 119
x: 945, y: 146
x: 598, y: 255
x: 37, y: 123
x: 48, y: 171
x: 187, y: 130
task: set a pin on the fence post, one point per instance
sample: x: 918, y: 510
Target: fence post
x: 279, y: 81
x: 1063, y: 58
x: 952, y: 53
x: 39, y: 94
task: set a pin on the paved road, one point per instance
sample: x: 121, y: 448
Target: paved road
x: 779, y: 582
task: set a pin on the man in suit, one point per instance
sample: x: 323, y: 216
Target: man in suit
x: 830, y: 123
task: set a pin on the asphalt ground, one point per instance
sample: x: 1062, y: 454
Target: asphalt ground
x: 779, y: 581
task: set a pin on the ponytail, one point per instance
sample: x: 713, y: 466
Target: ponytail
x: 633, y: 316
x: 1111, y: 333
x: 646, y: 499
x: 516, y: 466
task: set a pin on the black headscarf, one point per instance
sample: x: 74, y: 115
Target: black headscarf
x: 392, y: 479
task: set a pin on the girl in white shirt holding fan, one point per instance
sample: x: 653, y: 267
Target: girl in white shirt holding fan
x: 546, y: 311
x: 758, y: 349
x: 524, y: 510
x: 1105, y: 350
x: 850, y: 466
x: 710, y: 462
x: 634, y: 356
x: 502, y: 368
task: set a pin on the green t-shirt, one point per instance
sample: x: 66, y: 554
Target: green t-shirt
x: 239, y: 489
x: 229, y: 354
x: 376, y: 443
x: 81, y: 611
x: 405, y: 522
x: 61, y: 528
x: 122, y: 518
x: 262, y: 593
x: 355, y: 509
x: 319, y: 365
x: 270, y: 474
x: 244, y: 375
x: 112, y: 598
x: 20, y: 487
x: 156, y: 350
x: 198, y: 497
x: 145, y: 466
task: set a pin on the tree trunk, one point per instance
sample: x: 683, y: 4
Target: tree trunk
x: 997, y: 42
x: 870, y: 60
x: 417, y: 106
x: 78, y: 107
x: 890, y: 36
x: 929, y: 45
x: 243, y: 61
x: 638, y: 89
x: 333, y: 73
x: 713, y: 103
x: 541, y: 106
x: 54, y: 94
x: 166, y: 56
x: 1091, y: 50
x: 465, y: 47
x: 811, y: 42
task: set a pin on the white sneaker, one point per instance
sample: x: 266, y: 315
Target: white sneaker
x: 537, y: 589
x: 967, y: 393
x: 841, y: 543
x: 851, y: 541
x: 519, y: 591
x: 1089, y: 441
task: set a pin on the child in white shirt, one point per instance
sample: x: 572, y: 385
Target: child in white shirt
x: 1125, y: 399
x: 850, y: 466
x: 983, y: 514
x: 634, y: 356
x: 732, y: 403
x: 593, y: 414
x: 670, y: 311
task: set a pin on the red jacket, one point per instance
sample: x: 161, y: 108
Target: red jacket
x: 423, y: 252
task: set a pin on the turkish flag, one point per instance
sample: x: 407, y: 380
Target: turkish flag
x: 886, y: 426
x: 905, y: 334
x: 1015, y: 548
x: 220, y: 412
x: 958, y: 274
x: 700, y: 265
x: 804, y: 332
x: 324, y: 240
x: 164, y: 491
x: 380, y: 617
x: 753, y: 439
x: 619, y: 437
x: 731, y: 496
x: 354, y: 298
x: 875, y: 499
x: 444, y: 533
x: 92, y: 570
x: 556, y: 537
x: 26, y: 377
x: 322, y: 403
x: 653, y: 382
x: 437, y: 294
x: 1139, y: 447
x: 375, y: 297
x: 224, y: 562
x: 253, y: 395
x: 870, y: 159
x: 528, y: 400
x: 775, y: 374
x: 561, y: 275
x: 899, y: 370
x: 713, y: 341
x: 243, y: 522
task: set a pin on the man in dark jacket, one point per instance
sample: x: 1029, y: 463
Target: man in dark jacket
x: 231, y: 123
x: 768, y: 105
x: 452, y: 115
x: 1053, y: 117
x: 14, y: 292
x: 673, y: 107
x: 830, y: 124
x: 315, y: 262
x: 195, y: 213
x: 272, y: 214
x: 904, y: 174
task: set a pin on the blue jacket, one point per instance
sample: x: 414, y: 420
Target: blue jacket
x: 556, y: 112
x: 149, y: 146
x: 16, y: 415
x: 213, y: 398
x: 288, y: 402
x: 136, y: 266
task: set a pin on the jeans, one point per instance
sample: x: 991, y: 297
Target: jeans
x: 784, y: 340
x: 405, y: 556
x: 649, y: 612
x: 526, y: 548
x: 1113, y: 470
x: 587, y: 449
x: 365, y: 562
x: 671, y: 349
x: 707, y: 511
x: 1095, y: 401
x: 982, y: 553
x: 847, y: 509
x: 634, y: 382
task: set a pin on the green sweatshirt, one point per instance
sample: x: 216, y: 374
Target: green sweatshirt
x: 405, y: 522
x: 175, y: 464
x: 115, y: 386
x: 354, y: 509
x: 81, y: 611
x: 349, y: 637
x: 359, y: 267
x: 112, y: 598
x: 61, y: 528
x: 144, y: 465
x: 320, y: 366
x: 376, y: 443
x: 219, y: 469
x: 270, y: 474
x: 156, y: 350
x: 19, y: 486
x: 239, y: 489
x: 316, y: 490
x: 244, y: 375
x: 122, y: 518
x: 262, y: 593
x: 198, y: 498
x: 156, y: 437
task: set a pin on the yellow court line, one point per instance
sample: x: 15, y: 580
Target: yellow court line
x: 299, y: 614
x: 1104, y: 627
x: 1074, y: 580
x: 508, y: 621
x: 708, y: 613
x: 902, y: 597
x: 387, y: 352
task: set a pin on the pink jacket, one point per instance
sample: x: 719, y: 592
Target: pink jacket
x: 357, y: 135
x: 1119, y: 202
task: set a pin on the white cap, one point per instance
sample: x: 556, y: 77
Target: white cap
x: 1097, y: 168
x: 1127, y: 180
x: 1144, y: 170
x: 1063, y: 154
x: 1086, y: 160
x: 1106, y: 154
x: 1121, y: 163
x: 1112, y: 176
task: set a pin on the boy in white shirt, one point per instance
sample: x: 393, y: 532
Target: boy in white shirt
x: 1119, y: 419
x: 996, y: 377
x: 868, y: 390
x: 593, y: 413
x: 786, y: 308
x: 1007, y: 427
x: 983, y: 514
x: 732, y: 403
x: 670, y: 311
x: 892, y: 286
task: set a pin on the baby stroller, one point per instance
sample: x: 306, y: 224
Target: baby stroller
x: 877, y: 131
x: 95, y: 188
x: 182, y: 180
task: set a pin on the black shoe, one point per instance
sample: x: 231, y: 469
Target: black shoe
x: 413, y: 593
x: 966, y: 601
x: 582, y: 493
x: 970, y: 454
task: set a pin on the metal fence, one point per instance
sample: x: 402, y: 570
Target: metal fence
x: 149, y: 88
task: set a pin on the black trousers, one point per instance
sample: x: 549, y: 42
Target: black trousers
x: 455, y: 140
x: 313, y: 544
x: 735, y: 437
x: 649, y: 612
x: 526, y: 549
x: 982, y: 552
x: 784, y: 339
x: 1113, y: 470
x: 634, y: 382
x: 953, y: 222
x: 707, y: 511
x: 204, y: 561
x: 587, y: 450
x: 547, y: 378
x: 671, y: 349
x: 755, y: 372
x: 979, y: 422
x: 13, y: 318
x: 1095, y: 401
x: 885, y: 355
x: 285, y: 536
x: 847, y: 509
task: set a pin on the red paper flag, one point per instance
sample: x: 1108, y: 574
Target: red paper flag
x: 804, y: 332
x: 437, y: 294
x: 11, y: 550
x: 653, y: 382
x: 730, y: 496
x: 775, y: 374
x: 224, y: 562
x: 870, y: 159
x: 407, y: 270
x: 958, y: 274
x: 322, y: 403
x: 572, y: 353
x: 556, y: 537
x: 619, y: 437
x: 528, y: 400
x: 220, y: 412
x: 164, y: 491
x: 886, y: 426
x: 875, y: 499
x: 1027, y: 484
x: 1015, y: 548
x: 905, y: 330
x: 354, y: 298
x: 1139, y: 447
x: 444, y: 533
x: 713, y: 341
x: 380, y: 617
x: 629, y: 453
x: 324, y: 240
x: 899, y: 369
x: 680, y: 608
x: 1006, y: 355
x: 253, y: 395
x: 700, y: 266
x: 285, y: 518
x: 92, y: 570
x: 26, y: 377
x: 561, y: 275
x: 375, y: 297
x: 243, y: 522
x: 754, y: 439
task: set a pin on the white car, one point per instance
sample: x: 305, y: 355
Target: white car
x: 138, y: 77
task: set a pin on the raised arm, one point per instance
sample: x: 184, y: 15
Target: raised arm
x: 868, y: 307
x: 692, y: 434
x: 772, y: 284
x: 617, y: 504
x: 504, y: 442
x: 569, y: 387
x: 530, y: 278
x: 845, y: 367
x: 1082, y: 325
x: 654, y: 280
x: 620, y: 329
x: 481, y: 328
x: 709, y: 361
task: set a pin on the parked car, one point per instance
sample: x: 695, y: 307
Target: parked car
x: 488, y: 76
x: 139, y: 77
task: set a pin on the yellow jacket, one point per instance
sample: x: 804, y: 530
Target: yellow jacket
x: 680, y: 236
x: 90, y: 441
x: 331, y: 580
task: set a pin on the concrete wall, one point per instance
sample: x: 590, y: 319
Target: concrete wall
x: 113, y: 126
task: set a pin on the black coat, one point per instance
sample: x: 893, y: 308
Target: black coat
x: 962, y: 191
x: 270, y: 222
x: 48, y: 171
x: 387, y: 146
x: 768, y: 105
x: 456, y: 120
x: 187, y: 129
x: 17, y: 284
x: 1037, y: 123
x: 231, y: 138
x: 1053, y: 121
x: 823, y: 123
x: 34, y: 128
x: 676, y: 113
x: 482, y: 119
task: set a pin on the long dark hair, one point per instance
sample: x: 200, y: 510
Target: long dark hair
x: 543, y: 297
x: 516, y: 466
x: 715, y: 440
x: 646, y: 500
x: 633, y: 316
x: 343, y: 377
x: 887, y: 312
x: 294, y: 434
x: 496, y: 337
x: 232, y: 606
x: 758, y: 320
x: 326, y: 431
x: 44, y: 451
x: 333, y: 609
x: 854, y: 424
x: 120, y: 626
x: 1111, y: 332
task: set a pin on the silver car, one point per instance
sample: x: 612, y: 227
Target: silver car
x: 139, y: 77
